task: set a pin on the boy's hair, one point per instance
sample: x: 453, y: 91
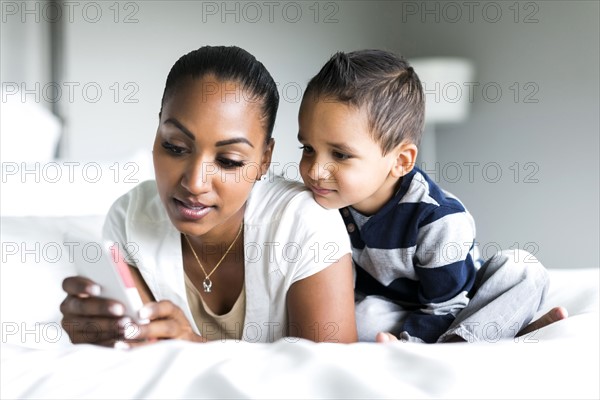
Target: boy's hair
x: 381, y: 82
x: 229, y: 63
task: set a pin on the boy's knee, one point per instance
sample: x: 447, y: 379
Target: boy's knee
x: 518, y: 262
x: 523, y: 263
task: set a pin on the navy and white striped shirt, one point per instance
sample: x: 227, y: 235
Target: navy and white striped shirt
x: 419, y: 251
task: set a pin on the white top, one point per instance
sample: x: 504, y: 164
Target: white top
x: 287, y: 237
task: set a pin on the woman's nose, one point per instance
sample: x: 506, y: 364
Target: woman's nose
x: 198, y: 176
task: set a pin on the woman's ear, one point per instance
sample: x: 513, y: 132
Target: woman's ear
x: 265, y: 161
x: 405, y: 157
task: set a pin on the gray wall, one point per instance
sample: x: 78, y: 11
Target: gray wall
x: 543, y: 138
x: 544, y: 142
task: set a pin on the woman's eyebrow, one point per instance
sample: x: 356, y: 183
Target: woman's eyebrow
x: 233, y: 141
x: 226, y: 142
x: 182, y: 128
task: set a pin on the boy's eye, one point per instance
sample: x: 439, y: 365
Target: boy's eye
x: 227, y: 163
x: 307, y: 149
x: 341, y: 156
x: 171, y: 148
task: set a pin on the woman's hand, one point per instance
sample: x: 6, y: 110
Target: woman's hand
x: 167, y: 321
x: 88, y: 318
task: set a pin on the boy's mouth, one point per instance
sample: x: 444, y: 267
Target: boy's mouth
x: 320, y: 191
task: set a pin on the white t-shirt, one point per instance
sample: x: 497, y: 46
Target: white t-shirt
x: 287, y: 237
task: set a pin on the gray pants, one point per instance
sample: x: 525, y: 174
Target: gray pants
x: 510, y: 289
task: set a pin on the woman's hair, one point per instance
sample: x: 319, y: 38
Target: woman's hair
x: 229, y: 63
x: 382, y: 83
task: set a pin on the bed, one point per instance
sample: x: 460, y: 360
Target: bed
x: 38, y: 361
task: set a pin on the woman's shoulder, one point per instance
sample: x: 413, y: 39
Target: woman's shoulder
x: 276, y: 197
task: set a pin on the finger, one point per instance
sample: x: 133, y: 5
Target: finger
x: 80, y: 286
x: 160, y: 310
x: 132, y: 344
x: 104, y: 331
x: 167, y: 321
x: 166, y: 328
x: 91, y: 306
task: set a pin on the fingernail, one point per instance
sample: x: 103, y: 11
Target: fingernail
x: 145, y: 312
x: 131, y: 331
x: 94, y: 290
x: 116, y: 309
x: 119, y: 345
x: 124, y: 322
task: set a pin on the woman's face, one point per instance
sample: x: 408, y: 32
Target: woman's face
x: 209, y: 151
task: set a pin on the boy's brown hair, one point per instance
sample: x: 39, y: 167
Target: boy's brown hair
x: 381, y: 82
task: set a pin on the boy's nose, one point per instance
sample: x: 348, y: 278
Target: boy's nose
x: 320, y: 171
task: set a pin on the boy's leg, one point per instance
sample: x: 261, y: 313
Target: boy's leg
x: 510, y: 289
x: 376, y: 314
x: 555, y: 314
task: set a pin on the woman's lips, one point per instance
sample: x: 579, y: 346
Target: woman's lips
x: 193, y: 211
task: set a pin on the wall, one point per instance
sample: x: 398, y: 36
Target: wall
x: 291, y: 38
x: 526, y: 161
x: 24, y: 51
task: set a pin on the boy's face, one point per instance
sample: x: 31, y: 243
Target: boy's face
x: 341, y: 164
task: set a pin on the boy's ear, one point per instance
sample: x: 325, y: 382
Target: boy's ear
x: 405, y: 159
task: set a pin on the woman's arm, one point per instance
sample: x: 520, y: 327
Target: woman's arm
x: 321, y: 306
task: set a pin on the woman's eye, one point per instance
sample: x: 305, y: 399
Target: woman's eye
x: 306, y: 149
x: 176, y: 150
x: 340, y: 156
x: 227, y: 163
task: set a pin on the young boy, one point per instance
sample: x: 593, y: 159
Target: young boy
x: 413, y: 243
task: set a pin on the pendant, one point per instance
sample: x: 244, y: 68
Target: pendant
x: 207, y: 285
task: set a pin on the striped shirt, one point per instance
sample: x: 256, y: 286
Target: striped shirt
x: 419, y: 251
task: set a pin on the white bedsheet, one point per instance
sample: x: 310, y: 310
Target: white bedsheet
x: 37, y: 360
x: 559, y: 361
x: 551, y: 368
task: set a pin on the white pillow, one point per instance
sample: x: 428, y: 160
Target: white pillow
x: 28, y: 131
x: 35, y: 260
x: 69, y: 187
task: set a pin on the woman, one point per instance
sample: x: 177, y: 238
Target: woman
x: 221, y: 253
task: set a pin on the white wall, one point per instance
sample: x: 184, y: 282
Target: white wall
x: 24, y: 51
x: 551, y: 52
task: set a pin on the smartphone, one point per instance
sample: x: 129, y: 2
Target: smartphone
x: 103, y: 262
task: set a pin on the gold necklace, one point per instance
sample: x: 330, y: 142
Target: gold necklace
x: 207, y: 283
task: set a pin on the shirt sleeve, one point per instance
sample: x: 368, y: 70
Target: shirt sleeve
x: 446, y: 272
x: 314, y: 238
